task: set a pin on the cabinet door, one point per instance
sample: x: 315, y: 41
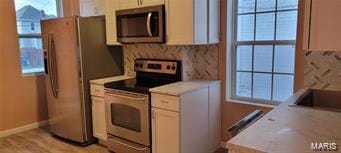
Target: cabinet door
x: 91, y: 7
x: 187, y: 22
x: 98, y: 118
x: 325, y: 23
x: 179, y: 22
x: 152, y: 2
x: 127, y: 4
x: 110, y: 21
x: 214, y: 21
x: 165, y: 131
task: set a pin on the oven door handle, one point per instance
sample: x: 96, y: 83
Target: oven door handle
x: 130, y: 146
x: 127, y: 97
x: 149, y: 16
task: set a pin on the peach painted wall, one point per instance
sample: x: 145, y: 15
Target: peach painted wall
x: 22, y: 98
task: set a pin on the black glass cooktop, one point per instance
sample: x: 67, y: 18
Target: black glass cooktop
x: 134, y: 85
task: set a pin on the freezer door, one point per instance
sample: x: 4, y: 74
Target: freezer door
x: 63, y: 80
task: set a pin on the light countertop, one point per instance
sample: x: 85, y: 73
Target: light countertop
x: 180, y: 88
x: 289, y: 129
x: 109, y: 79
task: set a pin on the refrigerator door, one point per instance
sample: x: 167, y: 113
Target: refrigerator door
x: 63, y: 80
x: 97, y: 59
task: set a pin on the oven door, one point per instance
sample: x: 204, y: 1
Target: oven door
x: 127, y: 116
x: 141, y: 25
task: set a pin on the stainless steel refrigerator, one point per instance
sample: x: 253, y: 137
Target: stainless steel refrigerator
x: 75, y: 52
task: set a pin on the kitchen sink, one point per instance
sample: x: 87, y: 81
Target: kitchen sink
x: 319, y: 99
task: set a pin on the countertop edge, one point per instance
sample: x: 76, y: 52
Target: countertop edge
x: 101, y: 81
x: 205, y: 84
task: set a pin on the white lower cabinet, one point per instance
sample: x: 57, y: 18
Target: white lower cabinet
x: 98, y: 111
x: 164, y: 120
x: 98, y: 118
x: 186, y: 121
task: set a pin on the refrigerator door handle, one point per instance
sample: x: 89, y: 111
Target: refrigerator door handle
x: 46, y: 69
x: 52, y: 65
x: 49, y: 61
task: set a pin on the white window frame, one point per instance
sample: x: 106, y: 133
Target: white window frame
x: 236, y: 43
x: 59, y: 5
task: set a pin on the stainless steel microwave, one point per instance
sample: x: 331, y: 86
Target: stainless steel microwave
x: 141, y: 25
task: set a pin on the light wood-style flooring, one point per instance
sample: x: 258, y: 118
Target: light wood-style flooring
x: 40, y: 141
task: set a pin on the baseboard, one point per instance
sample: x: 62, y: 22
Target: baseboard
x: 223, y: 144
x: 23, y: 128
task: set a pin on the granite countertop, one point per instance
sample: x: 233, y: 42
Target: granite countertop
x: 182, y: 87
x: 109, y: 79
x: 289, y: 129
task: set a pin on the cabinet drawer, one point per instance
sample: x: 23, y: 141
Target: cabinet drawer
x: 165, y: 101
x: 97, y: 90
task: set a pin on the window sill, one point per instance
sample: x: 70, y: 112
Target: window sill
x: 250, y: 103
x: 33, y: 74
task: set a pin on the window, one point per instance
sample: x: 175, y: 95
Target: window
x: 264, y: 50
x: 28, y: 16
x: 32, y: 27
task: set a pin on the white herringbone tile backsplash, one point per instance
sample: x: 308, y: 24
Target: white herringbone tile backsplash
x: 198, y: 62
x: 322, y: 70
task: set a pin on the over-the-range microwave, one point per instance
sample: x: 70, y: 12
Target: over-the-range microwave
x: 141, y: 25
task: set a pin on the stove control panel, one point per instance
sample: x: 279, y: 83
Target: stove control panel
x: 156, y: 66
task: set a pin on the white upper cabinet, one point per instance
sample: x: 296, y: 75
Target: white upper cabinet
x: 192, y: 22
x: 110, y: 21
x: 127, y: 4
x: 322, y: 24
x: 92, y: 7
x: 152, y: 2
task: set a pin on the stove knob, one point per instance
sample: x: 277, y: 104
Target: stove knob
x: 136, y: 65
x: 173, y: 67
x: 141, y: 65
x: 168, y: 67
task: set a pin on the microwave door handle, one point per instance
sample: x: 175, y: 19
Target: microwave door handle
x: 148, y: 24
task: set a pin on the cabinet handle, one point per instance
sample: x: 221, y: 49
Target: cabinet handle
x: 165, y: 102
x: 138, y: 2
x: 141, y: 2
